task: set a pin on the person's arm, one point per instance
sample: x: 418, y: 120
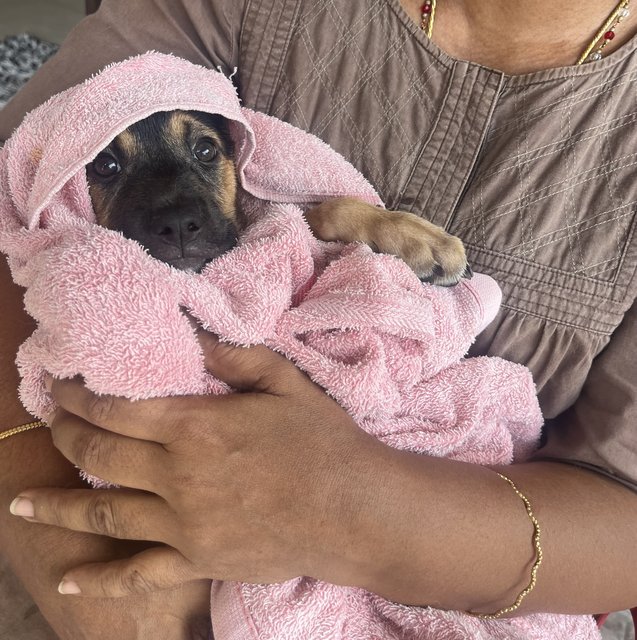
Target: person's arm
x: 320, y: 497
x: 203, y: 32
x: 40, y: 555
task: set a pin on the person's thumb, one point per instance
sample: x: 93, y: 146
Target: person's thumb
x: 155, y: 569
x: 255, y: 368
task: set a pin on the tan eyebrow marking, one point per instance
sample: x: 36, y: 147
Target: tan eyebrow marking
x: 228, y: 195
x: 127, y: 143
x: 181, y: 124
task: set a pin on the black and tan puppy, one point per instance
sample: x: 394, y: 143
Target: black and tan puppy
x: 169, y: 182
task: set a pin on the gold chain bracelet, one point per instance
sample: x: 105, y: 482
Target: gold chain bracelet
x: 538, y: 560
x: 36, y: 424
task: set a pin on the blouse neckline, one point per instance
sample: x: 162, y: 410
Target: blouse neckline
x: 533, y: 77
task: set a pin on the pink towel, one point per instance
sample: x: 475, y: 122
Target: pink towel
x: 388, y: 348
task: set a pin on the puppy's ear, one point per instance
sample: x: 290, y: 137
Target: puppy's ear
x: 284, y: 149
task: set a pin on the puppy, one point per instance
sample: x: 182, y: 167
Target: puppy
x: 170, y: 182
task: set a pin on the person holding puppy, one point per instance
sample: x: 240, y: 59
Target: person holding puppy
x: 478, y: 117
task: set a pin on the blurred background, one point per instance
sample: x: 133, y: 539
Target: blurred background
x: 47, y: 19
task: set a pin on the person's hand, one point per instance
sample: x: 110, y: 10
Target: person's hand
x: 256, y: 486
x: 182, y: 613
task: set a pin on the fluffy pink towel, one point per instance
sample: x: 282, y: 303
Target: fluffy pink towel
x: 388, y: 348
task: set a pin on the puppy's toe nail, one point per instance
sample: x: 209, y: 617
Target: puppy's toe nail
x: 428, y: 278
x: 438, y: 271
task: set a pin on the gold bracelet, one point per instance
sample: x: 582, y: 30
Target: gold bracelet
x: 534, y: 568
x: 36, y: 424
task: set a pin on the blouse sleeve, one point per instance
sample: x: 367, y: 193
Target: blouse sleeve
x: 600, y: 430
x: 202, y: 31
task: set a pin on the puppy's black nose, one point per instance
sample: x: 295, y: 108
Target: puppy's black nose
x: 177, y: 228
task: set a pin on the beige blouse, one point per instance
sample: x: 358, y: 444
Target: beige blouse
x: 536, y: 173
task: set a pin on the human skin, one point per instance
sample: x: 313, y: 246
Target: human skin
x: 39, y: 555
x: 520, y: 37
x: 587, y: 522
x: 277, y: 481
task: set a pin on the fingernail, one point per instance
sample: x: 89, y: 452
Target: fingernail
x: 48, y: 382
x: 22, y: 507
x: 69, y: 588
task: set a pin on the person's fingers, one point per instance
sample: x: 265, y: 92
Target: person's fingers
x: 155, y: 569
x: 155, y: 419
x: 120, y: 460
x: 254, y: 368
x: 116, y: 513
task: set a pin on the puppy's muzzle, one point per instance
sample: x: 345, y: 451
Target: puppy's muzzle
x: 176, y: 229
x: 185, y: 237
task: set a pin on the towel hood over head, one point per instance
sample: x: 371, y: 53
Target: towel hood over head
x: 51, y: 150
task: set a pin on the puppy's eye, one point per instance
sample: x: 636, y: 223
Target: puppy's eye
x: 105, y: 165
x: 205, y: 150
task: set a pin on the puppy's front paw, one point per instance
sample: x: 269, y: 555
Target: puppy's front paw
x: 435, y: 255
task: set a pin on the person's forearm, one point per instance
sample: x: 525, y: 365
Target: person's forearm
x: 40, y: 554
x: 456, y: 536
x: 24, y: 459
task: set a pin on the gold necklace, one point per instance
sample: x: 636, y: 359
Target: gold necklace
x: 593, y: 52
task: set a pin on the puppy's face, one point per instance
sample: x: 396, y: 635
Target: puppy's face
x: 169, y: 182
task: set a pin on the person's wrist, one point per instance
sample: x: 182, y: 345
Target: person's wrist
x: 7, y: 433
x: 380, y: 533
x: 30, y: 459
x: 347, y: 546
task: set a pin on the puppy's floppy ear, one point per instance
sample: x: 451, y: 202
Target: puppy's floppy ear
x: 294, y: 166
